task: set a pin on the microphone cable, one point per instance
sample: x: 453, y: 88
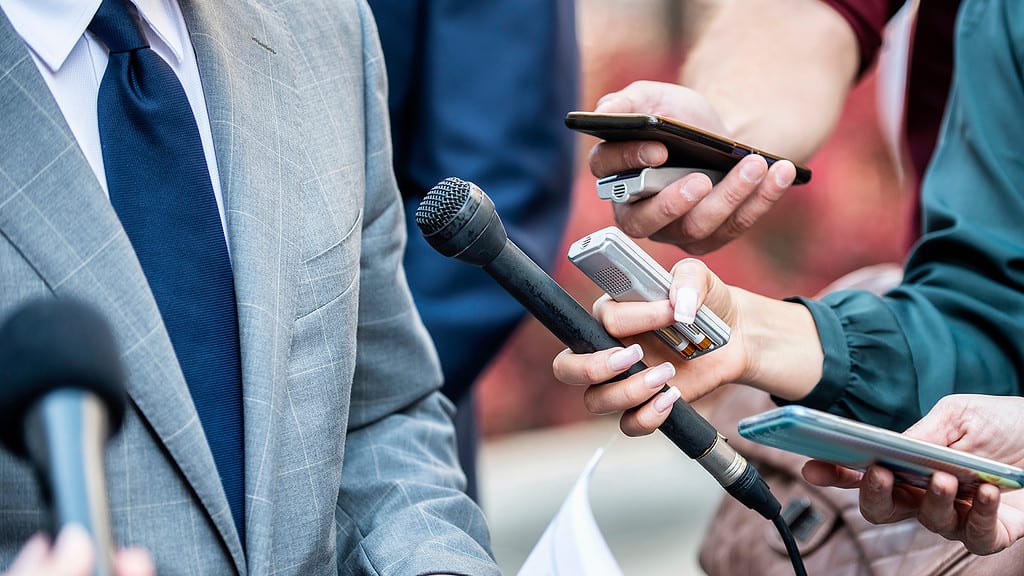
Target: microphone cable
x: 791, y: 549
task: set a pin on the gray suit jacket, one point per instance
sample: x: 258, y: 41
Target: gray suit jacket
x: 336, y: 365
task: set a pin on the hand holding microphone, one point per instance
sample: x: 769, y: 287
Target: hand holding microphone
x: 62, y: 389
x: 73, y: 554
x: 459, y: 220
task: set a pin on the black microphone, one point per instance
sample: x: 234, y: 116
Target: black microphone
x: 460, y: 221
x: 62, y: 393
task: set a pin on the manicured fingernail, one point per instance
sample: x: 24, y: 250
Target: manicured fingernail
x: 656, y: 377
x: 685, y: 307
x: 752, y: 172
x: 666, y: 399
x: 690, y: 189
x: 625, y: 358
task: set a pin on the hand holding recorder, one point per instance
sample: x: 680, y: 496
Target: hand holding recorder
x: 696, y: 212
x: 985, y: 426
x: 772, y: 345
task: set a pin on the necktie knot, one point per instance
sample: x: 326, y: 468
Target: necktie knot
x: 117, y: 25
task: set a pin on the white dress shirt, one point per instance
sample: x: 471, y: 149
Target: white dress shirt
x: 72, y: 62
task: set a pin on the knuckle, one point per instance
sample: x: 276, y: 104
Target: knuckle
x: 629, y: 425
x: 734, y: 195
x: 629, y: 396
x: 613, y: 324
x: 742, y: 220
x: 696, y: 228
x: 649, y: 316
x: 930, y: 522
x: 630, y: 154
x: 592, y: 373
x: 591, y: 401
x: 871, y: 515
x: 770, y: 193
x: 737, y: 224
x: 646, y: 420
x: 667, y: 210
x: 980, y: 548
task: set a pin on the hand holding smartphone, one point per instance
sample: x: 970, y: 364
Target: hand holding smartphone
x: 688, y: 147
x: 857, y: 445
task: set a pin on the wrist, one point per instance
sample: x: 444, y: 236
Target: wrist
x: 783, y: 353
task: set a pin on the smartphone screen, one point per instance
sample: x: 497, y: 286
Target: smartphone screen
x: 688, y: 147
x: 857, y: 445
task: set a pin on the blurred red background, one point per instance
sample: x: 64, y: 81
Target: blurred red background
x: 854, y: 212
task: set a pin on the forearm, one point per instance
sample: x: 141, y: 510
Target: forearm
x: 777, y: 72
x: 784, y: 353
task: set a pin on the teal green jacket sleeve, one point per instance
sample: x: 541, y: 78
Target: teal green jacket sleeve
x: 956, y: 323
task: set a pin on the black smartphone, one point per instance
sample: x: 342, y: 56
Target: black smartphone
x: 688, y: 147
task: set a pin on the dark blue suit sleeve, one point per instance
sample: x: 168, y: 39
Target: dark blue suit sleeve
x: 479, y: 90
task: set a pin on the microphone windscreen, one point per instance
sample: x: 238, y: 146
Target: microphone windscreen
x: 441, y: 204
x: 50, y: 344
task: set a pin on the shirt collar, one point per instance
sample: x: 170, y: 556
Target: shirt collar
x: 51, y: 28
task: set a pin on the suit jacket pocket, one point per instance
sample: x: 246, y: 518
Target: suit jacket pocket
x: 330, y: 273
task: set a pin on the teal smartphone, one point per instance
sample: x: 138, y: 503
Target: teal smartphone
x: 857, y: 445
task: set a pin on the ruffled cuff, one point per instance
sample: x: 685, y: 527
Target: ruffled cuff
x: 867, y: 374
x: 835, y: 371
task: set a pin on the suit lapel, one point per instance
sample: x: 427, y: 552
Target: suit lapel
x: 244, y: 54
x: 53, y: 210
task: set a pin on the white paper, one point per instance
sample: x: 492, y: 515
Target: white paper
x: 572, y: 544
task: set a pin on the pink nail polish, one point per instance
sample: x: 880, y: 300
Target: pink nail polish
x: 666, y: 399
x: 685, y: 309
x: 656, y: 377
x: 625, y: 358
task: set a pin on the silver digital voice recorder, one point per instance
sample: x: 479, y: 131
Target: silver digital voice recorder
x: 628, y: 274
x: 632, y: 186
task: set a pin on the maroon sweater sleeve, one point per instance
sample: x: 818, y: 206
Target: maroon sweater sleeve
x: 868, y: 19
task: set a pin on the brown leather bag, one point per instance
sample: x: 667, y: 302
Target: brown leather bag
x: 832, y: 535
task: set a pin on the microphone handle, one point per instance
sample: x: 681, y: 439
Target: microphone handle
x: 561, y: 314
x: 65, y: 433
x: 582, y: 333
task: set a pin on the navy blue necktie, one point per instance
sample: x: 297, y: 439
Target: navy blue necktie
x: 160, y: 187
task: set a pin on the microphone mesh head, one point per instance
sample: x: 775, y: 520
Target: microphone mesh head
x: 441, y: 204
x: 51, y: 344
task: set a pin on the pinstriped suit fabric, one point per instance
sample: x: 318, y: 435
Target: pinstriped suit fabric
x: 298, y: 113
